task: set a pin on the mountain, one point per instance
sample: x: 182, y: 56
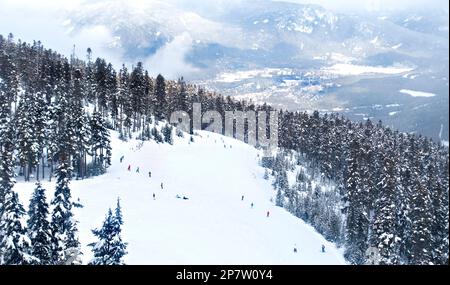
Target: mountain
x: 379, y: 194
x: 307, y: 49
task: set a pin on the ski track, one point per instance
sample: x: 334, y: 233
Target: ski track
x: 213, y: 227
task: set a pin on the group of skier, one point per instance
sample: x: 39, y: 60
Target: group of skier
x: 268, y: 214
x: 185, y: 198
x: 138, y: 171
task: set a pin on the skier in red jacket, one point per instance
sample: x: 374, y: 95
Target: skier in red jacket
x: 129, y: 167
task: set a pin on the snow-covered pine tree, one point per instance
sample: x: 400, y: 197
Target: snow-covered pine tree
x: 6, y: 166
x: 385, y: 234
x: 28, y: 150
x: 355, y: 208
x: 181, y: 103
x: 9, y: 84
x: 156, y: 135
x: 101, y: 85
x: 279, y: 200
x: 63, y: 225
x: 100, y: 144
x: 109, y: 249
x: 121, y: 246
x: 89, y: 82
x: 137, y: 91
x: 14, y: 243
x: 124, y: 101
x: 39, y: 227
x: 160, y: 97
x: 167, y: 133
x: 78, y: 123
x: 422, y: 220
x: 40, y: 132
x: 439, y: 199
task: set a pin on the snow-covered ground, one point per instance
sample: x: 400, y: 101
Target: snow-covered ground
x: 214, y: 226
x: 229, y: 77
x: 414, y: 93
x: 352, y: 69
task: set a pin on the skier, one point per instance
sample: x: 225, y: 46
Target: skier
x: 185, y: 198
x: 295, y: 249
x: 162, y: 187
x: 137, y: 170
x: 251, y: 205
x: 121, y: 158
x: 129, y: 167
x: 323, y: 248
x: 242, y: 198
x: 150, y: 174
x: 154, y: 196
x: 268, y: 213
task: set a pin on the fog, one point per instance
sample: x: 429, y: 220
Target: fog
x: 376, y: 5
x: 46, y: 20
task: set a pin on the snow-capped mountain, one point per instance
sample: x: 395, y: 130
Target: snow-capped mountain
x: 318, y: 46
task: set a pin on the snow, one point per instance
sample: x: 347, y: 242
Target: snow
x: 335, y: 57
x: 410, y: 76
x: 397, y: 46
x: 414, y: 93
x: 214, y: 226
x: 230, y: 77
x: 351, y: 69
x: 393, y: 113
x: 303, y: 29
x: 374, y: 40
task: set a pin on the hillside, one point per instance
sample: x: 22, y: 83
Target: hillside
x: 214, y: 226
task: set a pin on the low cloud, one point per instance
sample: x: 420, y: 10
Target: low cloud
x: 170, y: 59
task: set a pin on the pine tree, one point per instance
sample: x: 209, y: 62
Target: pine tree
x: 28, y: 149
x: 110, y: 249
x: 160, y: 96
x: 124, y: 100
x: 14, y: 243
x: 386, y: 238
x: 62, y: 225
x: 167, y: 133
x: 100, y: 144
x: 357, y: 221
x: 101, y: 85
x: 182, y: 98
x: 39, y: 226
x: 279, y: 200
x: 156, y: 135
x: 137, y: 90
x: 6, y: 166
x: 421, y: 252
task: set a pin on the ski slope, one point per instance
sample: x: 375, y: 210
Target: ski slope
x: 214, y: 226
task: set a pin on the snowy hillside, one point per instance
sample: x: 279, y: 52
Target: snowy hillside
x: 214, y: 226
